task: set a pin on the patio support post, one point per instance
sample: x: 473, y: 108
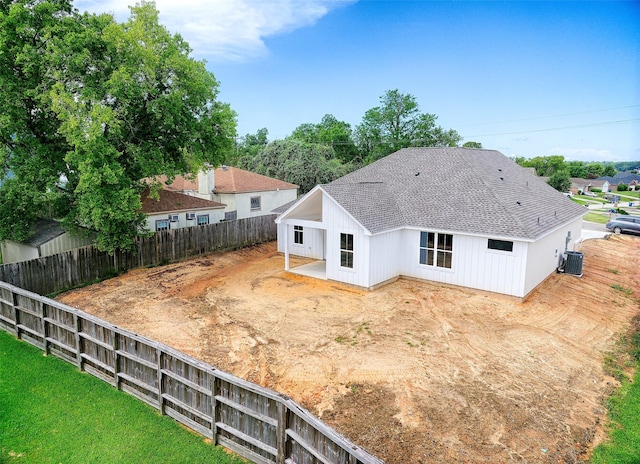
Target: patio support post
x: 286, y: 247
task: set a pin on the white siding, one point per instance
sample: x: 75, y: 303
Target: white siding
x: 387, y: 256
x: 14, y: 252
x: 64, y: 242
x: 473, y: 264
x: 215, y: 215
x: 544, y: 255
x: 337, y: 221
x: 312, y: 246
x: 269, y: 200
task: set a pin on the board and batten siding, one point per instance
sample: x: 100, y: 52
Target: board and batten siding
x: 337, y: 222
x: 474, y: 265
x: 387, y: 256
x: 313, y: 241
x: 544, y: 254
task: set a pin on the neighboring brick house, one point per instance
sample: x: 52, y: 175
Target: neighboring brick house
x: 175, y: 210
x: 586, y: 185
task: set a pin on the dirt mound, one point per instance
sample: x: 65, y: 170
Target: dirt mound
x: 413, y: 371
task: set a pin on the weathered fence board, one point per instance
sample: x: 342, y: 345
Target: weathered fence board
x: 63, y: 271
x: 257, y: 423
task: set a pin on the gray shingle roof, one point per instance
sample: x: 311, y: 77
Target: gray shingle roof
x: 455, y: 189
x: 45, y: 230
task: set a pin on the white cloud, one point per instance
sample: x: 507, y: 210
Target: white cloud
x: 223, y: 30
x: 584, y: 154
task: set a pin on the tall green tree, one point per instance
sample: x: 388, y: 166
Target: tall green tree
x: 594, y: 170
x: 545, y: 165
x: 298, y: 162
x: 609, y: 170
x: 471, y: 144
x: 92, y: 107
x: 398, y: 123
x: 560, y: 181
x: 330, y: 131
x: 577, y: 169
x: 249, y: 145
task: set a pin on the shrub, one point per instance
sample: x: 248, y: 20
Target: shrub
x: 623, y: 187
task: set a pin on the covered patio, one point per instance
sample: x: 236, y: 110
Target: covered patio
x: 316, y: 269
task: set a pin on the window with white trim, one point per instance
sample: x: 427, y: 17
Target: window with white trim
x: 203, y: 219
x: 255, y: 203
x: 162, y: 224
x: 298, y: 235
x: 436, y: 249
x: 346, y: 250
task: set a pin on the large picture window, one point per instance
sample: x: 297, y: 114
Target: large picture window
x: 436, y: 249
x: 298, y: 237
x: 346, y: 250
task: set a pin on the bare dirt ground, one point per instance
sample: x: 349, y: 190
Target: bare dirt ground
x: 415, y: 372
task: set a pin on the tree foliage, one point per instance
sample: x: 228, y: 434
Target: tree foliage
x: 332, y: 132
x: 471, y: 144
x: 398, y: 123
x: 298, y: 162
x: 247, y: 146
x: 91, y: 108
x: 560, y: 180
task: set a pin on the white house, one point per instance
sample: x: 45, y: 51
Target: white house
x: 48, y: 238
x: 465, y: 217
x: 173, y: 210
x: 244, y: 193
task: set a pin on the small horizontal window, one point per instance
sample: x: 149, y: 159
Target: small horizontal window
x: 501, y: 245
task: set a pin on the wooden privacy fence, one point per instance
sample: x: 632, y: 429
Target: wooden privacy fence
x: 67, y: 270
x: 257, y: 423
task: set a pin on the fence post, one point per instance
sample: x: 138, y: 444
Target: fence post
x: 45, y: 332
x: 16, y: 318
x: 281, y: 432
x: 214, y: 409
x: 160, y: 382
x: 77, y: 323
x: 116, y: 360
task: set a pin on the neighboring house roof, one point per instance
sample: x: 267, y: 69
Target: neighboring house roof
x: 228, y: 179
x: 621, y: 178
x: 625, y: 175
x: 473, y: 191
x: 45, y: 230
x: 174, y: 201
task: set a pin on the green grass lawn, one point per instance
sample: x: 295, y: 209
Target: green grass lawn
x: 596, y: 217
x: 623, y: 446
x: 52, y: 413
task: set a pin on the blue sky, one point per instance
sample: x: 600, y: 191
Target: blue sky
x: 525, y: 78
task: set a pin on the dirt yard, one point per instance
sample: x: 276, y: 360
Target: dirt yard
x: 415, y: 372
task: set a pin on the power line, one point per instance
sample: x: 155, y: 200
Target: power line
x: 551, y: 116
x: 607, y: 123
